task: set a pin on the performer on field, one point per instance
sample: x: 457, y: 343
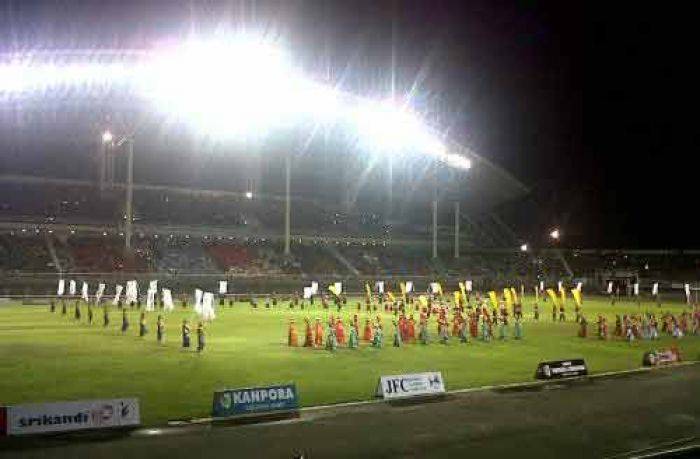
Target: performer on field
x: 185, y: 332
x: 378, y: 339
x: 536, y: 312
x: 518, y: 328
x: 160, y: 329
x: 292, y: 336
x: 503, y: 329
x: 125, y: 321
x: 142, y: 325
x: 90, y: 314
x: 200, y: 337
x: 368, y: 334
x: 340, y: 332
x: 554, y: 311
x: 64, y: 308
x: 562, y: 313
x: 308, y: 334
x: 318, y: 333
x: 397, y: 335
x: 105, y: 316
x: 77, y: 310
x: 52, y: 306
x: 583, y: 327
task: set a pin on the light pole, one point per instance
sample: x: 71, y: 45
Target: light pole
x: 107, y: 140
x: 287, y: 202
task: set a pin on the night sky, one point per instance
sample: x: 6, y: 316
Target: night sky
x: 582, y: 102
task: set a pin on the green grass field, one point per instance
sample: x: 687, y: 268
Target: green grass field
x: 51, y: 357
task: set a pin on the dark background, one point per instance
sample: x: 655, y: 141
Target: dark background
x: 590, y: 105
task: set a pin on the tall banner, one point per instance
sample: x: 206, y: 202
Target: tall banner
x: 610, y: 287
x: 576, y: 293
x: 514, y: 295
x: 150, y: 300
x: 494, y: 299
x: 71, y: 288
x: 379, y: 286
x: 468, y: 286
x: 542, y: 286
x: 409, y: 286
x: 198, y: 301
x: 560, y: 286
x: 307, y: 293
x: 509, y: 297
x: 61, y: 287
x: 552, y: 295
x: 99, y: 293
x: 636, y: 289
x: 579, y: 286
x: 655, y: 289
x: 84, y: 292
x: 368, y: 290
x: 223, y: 287
x: 687, y: 293
x: 168, y: 304
x: 153, y: 285
x: 563, y: 296
x: 208, y: 307
x: 132, y: 292
x: 117, y: 294
x: 314, y: 288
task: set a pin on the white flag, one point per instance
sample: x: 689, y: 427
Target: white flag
x: 541, y: 286
x: 338, y: 288
x: 223, y: 287
x: 208, y: 306
x: 610, y: 285
x: 198, y: 301
x: 168, y: 304
x: 132, y: 292
x: 314, y: 288
x: 687, y: 293
x: 560, y: 285
x: 655, y: 289
x: 150, y: 300
x: 434, y: 287
x: 71, y: 288
x: 99, y: 293
x: 117, y: 294
x: 379, y: 286
x: 307, y: 293
x: 579, y: 286
x: 468, y: 286
x: 85, y: 292
x: 636, y: 288
x: 153, y: 285
x: 409, y: 286
x: 61, y: 287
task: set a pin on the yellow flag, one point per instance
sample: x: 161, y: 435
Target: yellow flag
x: 402, y: 285
x: 537, y: 294
x: 552, y: 295
x: 515, y: 295
x: 368, y: 290
x: 494, y: 298
x: 509, y: 297
x: 332, y: 289
x: 456, y: 294
x: 563, y: 295
x: 423, y: 301
x: 577, y: 296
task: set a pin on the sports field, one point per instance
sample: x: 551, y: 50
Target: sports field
x: 48, y: 356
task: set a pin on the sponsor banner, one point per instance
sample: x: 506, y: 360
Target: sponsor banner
x: 662, y: 357
x: 251, y: 400
x: 561, y: 369
x: 410, y: 385
x: 69, y: 416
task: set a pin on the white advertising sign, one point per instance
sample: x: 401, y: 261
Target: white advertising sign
x: 400, y: 386
x: 66, y: 416
x: 223, y: 287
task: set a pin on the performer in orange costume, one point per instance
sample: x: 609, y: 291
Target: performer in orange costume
x: 318, y: 335
x: 292, y: 338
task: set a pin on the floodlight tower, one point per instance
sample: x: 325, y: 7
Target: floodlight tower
x: 128, y: 141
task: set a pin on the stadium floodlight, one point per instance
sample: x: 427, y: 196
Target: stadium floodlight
x: 555, y: 234
x: 107, y: 137
x: 523, y: 248
x: 249, y: 194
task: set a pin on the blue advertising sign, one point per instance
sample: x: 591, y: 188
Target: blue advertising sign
x: 251, y: 400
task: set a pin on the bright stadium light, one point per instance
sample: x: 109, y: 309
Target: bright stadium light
x: 523, y: 248
x: 555, y: 234
x: 107, y: 137
x: 249, y: 194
